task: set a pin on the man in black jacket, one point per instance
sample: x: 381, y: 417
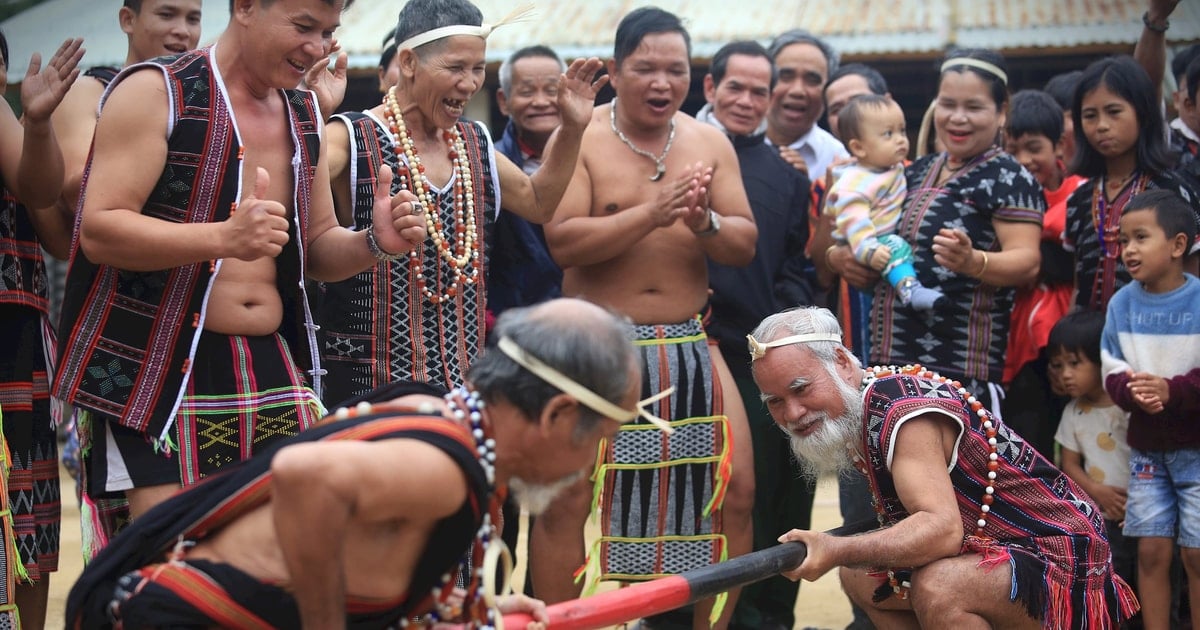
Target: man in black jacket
x: 738, y: 89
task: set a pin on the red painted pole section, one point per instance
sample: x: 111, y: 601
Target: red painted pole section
x: 612, y: 607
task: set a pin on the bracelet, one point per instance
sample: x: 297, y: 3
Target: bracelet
x: 828, y: 251
x: 1166, y: 24
x: 984, y: 267
x: 376, y: 250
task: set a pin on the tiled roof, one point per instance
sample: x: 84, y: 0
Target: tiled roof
x: 585, y: 27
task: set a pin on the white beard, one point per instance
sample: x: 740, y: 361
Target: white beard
x: 536, y: 497
x: 826, y: 450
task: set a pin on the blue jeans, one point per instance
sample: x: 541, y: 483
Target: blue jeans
x: 1164, y: 496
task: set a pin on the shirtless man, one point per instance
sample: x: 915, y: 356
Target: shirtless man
x: 393, y: 495
x: 654, y: 196
x: 185, y: 326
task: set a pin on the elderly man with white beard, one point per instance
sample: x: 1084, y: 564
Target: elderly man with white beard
x: 977, y: 529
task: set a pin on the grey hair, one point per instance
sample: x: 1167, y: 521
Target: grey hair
x: 805, y: 320
x: 801, y: 36
x: 422, y: 16
x: 506, y: 68
x: 596, y: 354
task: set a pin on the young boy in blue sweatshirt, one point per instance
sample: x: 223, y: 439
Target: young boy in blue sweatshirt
x: 1150, y: 351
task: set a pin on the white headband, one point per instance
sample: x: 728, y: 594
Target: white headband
x: 587, y: 397
x: 977, y: 63
x: 758, y: 349
x: 482, y: 31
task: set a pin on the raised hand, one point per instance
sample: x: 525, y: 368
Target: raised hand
x: 1159, y: 10
x: 258, y: 228
x: 577, y: 91
x: 44, y: 88
x: 328, y: 84
x: 397, y: 220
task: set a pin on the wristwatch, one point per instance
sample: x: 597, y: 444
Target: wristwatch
x: 714, y: 224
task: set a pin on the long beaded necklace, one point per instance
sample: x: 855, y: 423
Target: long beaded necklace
x: 474, y: 605
x: 901, y: 587
x: 1106, y: 217
x: 463, y: 255
x: 660, y: 166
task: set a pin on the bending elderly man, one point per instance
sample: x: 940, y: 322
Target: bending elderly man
x: 978, y: 529
x: 362, y: 521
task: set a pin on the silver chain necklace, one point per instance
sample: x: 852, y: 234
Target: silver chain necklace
x: 660, y: 168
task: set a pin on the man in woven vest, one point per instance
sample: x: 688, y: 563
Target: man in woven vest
x: 186, y: 339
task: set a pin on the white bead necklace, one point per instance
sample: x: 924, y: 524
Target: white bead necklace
x: 463, y: 256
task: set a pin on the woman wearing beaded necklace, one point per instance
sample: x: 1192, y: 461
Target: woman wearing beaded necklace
x: 973, y: 216
x: 421, y: 316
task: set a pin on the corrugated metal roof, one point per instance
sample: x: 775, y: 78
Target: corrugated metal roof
x: 585, y: 27
x: 853, y: 27
x: 45, y: 26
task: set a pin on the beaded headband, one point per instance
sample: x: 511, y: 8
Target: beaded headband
x: 587, y: 397
x: 758, y: 349
x: 977, y: 63
x: 482, y: 31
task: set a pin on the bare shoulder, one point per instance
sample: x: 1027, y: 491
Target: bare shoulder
x: 388, y: 477
x: 141, y: 93
x: 701, y: 138
x: 698, y: 131
x: 598, y: 133
x: 337, y: 138
x: 929, y: 435
x: 81, y: 100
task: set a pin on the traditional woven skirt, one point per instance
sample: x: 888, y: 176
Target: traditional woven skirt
x: 244, y: 394
x: 32, y: 485
x: 660, y: 495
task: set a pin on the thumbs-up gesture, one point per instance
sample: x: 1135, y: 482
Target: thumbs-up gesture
x: 259, y: 226
x: 398, y: 221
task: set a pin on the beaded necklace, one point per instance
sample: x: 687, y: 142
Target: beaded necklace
x: 475, y: 606
x: 478, y: 605
x: 660, y: 161
x: 900, y: 587
x: 463, y: 255
x: 1106, y: 218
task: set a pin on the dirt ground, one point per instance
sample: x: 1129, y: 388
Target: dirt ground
x: 821, y: 604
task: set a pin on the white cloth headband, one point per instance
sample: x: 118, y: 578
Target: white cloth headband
x: 482, y: 31
x: 587, y: 397
x: 976, y: 63
x: 758, y: 349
